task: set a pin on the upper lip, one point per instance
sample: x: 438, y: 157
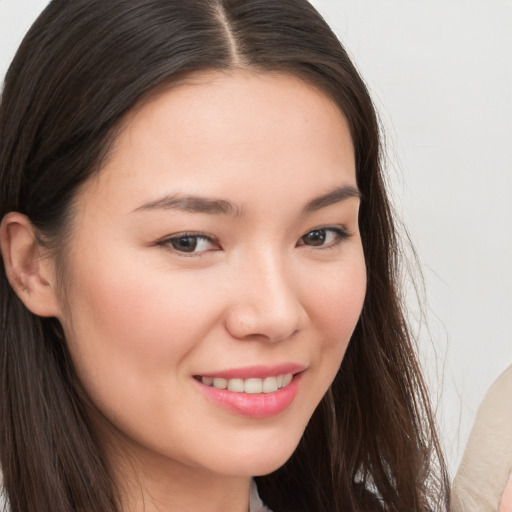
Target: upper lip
x: 257, y: 372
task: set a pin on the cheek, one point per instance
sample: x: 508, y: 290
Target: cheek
x: 136, y: 308
x: 334, y: 306
x: 130, y: 323
x: 338, y: 303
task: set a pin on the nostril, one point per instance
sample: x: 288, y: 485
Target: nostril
x: 251, y: 323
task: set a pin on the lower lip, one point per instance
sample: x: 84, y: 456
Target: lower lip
x: 257, y: 405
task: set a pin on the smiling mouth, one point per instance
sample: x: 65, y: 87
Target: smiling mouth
x: 249, y: 386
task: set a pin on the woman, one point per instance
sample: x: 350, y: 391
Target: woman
x: 194, y: 226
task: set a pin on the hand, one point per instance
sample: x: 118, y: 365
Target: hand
x: 506, y: 497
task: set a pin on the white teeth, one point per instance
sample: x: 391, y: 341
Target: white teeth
x: 207, y: 380
x: 236, y: 385
x: 220, y: 383
x: 250, y: 386
x: 253, y: 386
x: 270, y: 385
x: 287, y: 379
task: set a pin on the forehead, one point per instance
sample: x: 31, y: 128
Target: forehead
x: 215, y: 130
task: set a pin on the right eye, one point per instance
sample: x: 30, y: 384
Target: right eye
x: 190, y: 243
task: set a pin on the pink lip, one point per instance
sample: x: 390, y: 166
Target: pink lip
x: 258, y: 372
x: 257, y: 405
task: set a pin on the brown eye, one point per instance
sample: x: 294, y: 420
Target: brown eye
x: 324, y: 237
x: 184, y: 243
x: 315, y: 238
x: 190, y: 243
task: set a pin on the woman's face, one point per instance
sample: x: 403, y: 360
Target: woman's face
x: 218, y: 246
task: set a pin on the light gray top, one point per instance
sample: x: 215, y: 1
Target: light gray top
x: 255, y: 503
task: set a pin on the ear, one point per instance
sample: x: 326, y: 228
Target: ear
x: 29, y: 268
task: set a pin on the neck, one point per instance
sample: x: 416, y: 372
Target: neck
x: 152, y: 483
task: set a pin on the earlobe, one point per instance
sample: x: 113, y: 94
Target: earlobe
x: 30, y: 273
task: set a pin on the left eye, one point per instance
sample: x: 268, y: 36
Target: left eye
x: 190, y: 243
x: 323, y: 237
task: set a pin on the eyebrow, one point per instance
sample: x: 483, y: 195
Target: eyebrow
x: 335, y: 196
x: 194, y: 204
x: 199, y: 204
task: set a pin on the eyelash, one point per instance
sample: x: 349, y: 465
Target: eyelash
x: 168, y: 242
x: 340, y: 233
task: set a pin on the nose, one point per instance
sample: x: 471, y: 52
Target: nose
x: 265, y: 301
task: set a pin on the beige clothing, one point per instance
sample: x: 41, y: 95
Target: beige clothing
x: 487, y: 461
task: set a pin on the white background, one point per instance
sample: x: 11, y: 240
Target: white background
x: 440, y: 72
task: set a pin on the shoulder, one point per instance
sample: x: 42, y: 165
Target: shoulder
x: 487, y: 459
x: 499, y: 393
x: 494, y: 417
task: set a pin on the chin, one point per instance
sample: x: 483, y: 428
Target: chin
x: 260, y: 467
x: 260, y: 458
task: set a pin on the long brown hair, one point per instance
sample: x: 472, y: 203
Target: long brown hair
x: 371, y: 444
